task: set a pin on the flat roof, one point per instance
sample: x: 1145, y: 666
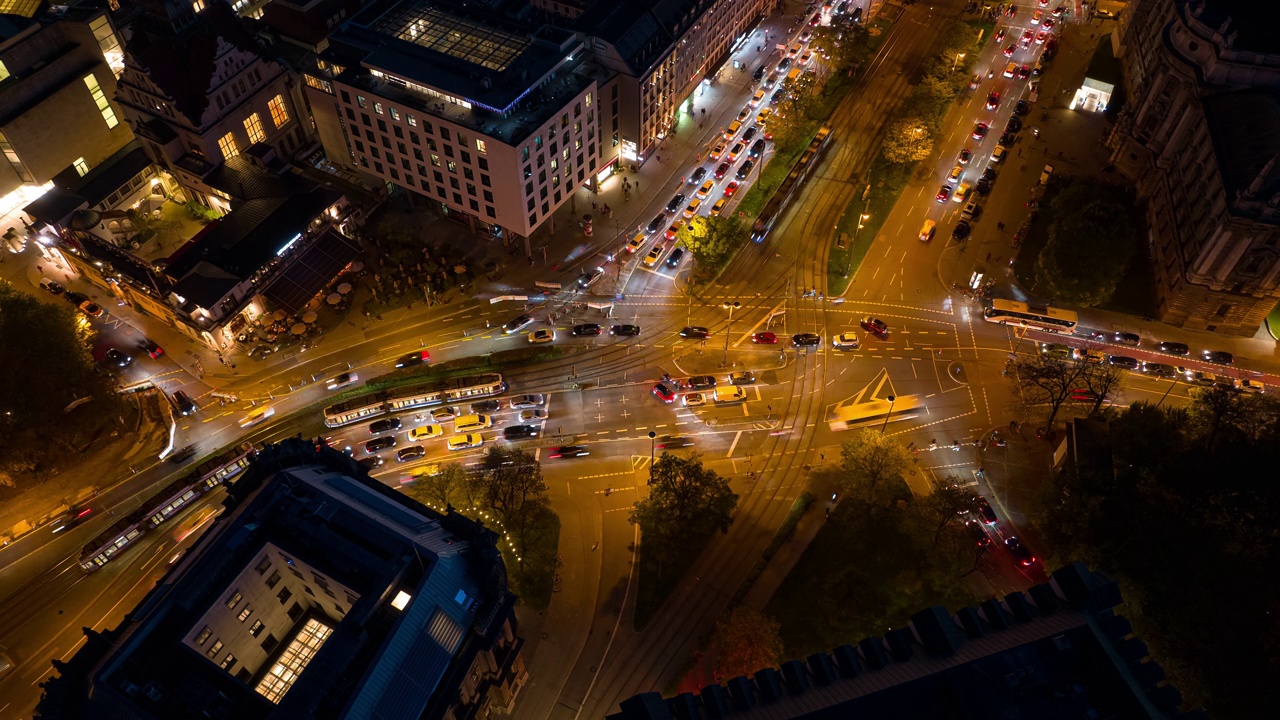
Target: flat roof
x: 464, y: 38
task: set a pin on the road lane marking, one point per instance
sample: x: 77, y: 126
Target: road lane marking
x: 736, y: 436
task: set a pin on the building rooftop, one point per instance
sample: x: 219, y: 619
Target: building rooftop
x: 1057, y: 652
x: 1245, y: 128
x: 640, y: 30
x: 318, y: 593
x: 478, y: 71
x: 1252, y: 22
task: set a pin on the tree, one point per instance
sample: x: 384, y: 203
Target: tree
x: 1046, y: 380
x: 45, y: 365
x: 686, y: 501
x: 843, y: 42
x: 792, y: 122
x: 745, y: 641
x: 870, y: 463
x: 712, y: 239
x: 908, y: 140
x: 452, y: 486
x: 1088, y: 220
x: 510, y: 483
x: 946, y: 506
x: 1102, y: 380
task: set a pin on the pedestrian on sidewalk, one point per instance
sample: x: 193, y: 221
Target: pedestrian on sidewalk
x: 988, y: 257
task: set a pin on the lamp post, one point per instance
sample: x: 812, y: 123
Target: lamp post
x: 731, y: 306
x: 1169, y: 390
x: 959, y: 57
x: 652, y: 435
x: 862, y: 219
x: 891, y: 398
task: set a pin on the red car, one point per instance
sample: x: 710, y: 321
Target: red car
x: 1009, y: 51
x: 731, y: 188
x: 875, y: 326
x: 764, y: 338
x: 152, y: 349
x: 664, y: 393
x: 1026, y: 38
x: 993, y: 101
x: 672, y: 231
x: 722, y: 169
x: 1000, y: 36
x: 979, y: 131
x: 944, y: 194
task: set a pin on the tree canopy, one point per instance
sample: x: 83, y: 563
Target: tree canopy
x: 686, y: 501
x: 908, y: 140
x: 745, y: 641
x: 712, y: 239
x: 1088, y: 221
x: 45, y: 365
x: 1185, y: 513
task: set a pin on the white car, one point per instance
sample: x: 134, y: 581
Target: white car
x: 257, y: 415
x: 540, y: 336
x: 693, y: 399
x: 464, y: 442
x: 532, y: 415
x: 425, y: 432
x: 343, y: 380
x: 1250, y: 386
x: 845, y: 341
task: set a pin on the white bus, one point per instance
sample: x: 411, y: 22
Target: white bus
x: 874, y: 412
x: 1036, y: 317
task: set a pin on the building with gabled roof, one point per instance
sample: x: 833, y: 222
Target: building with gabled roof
x: 318, y: 593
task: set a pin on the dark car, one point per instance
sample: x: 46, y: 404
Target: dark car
x: 371, y: 462
x: 586, y: 330
x: 184, y: 403
x: 417, y: 357
x: 984, y: 511
x: 183, y: 455
x: 381, y: 443
x: 1159, y: 370
x: 1123, y: 361
x: 989, y: 174
x: 53, y: 286
x: 696, y: 176
x: 982, y: 187
x: 745, y: 169
x: 750, y: 133
x: 1173, y: 348
x: 673, y: 442
x: 517, y: 324
x: 758, y: 75
x: 722, y: 169
x: 664, y: 392
x: 1020, y: 552
x: 625, y: 330
x: 117, y: 358
x: 978, y: 533
x: 1022, y: 108
x: 675, y: 257
x: 757, y: 147
x: 378, y: 427
x: 676, y: 203
x: 993, y: 101
x: 1007, y: 139
x: 70, y: 519
x: 806, y: 340
x: 519, y: 432
x: 1014, y: 124
x: 1127, y: 338
x: 486, y: 406
x: 413, y: 452
x: 1218, y: 357
x: 695, y: 332
x: 875, y: 326
x: 657, y: 222
x: 74, y: 297
x: 961, y: 231
x: 568, y: 451
x: 701, y: 382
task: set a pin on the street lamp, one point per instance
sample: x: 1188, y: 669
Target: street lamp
x: 959, y: 57
x: 731, y: 306
x: 1169, y: 390
x: 891, y: 398
x: 652, y: 435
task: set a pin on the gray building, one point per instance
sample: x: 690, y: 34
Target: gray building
x: 318, y: 593
x: 1200, y: 137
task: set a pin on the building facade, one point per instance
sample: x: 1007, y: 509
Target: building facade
x: 319, y: 592
x: 1200, y: 137
x: 58, y: 74
x: 198, y: 87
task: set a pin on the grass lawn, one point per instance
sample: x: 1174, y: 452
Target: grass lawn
x: 657, y: 576
x: 887, y: 183
x: 1136, y: 293
x: 1037, y: 236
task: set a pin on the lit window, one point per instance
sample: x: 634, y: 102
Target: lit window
x: 256, y: 630
x: 228, y: 661
x: 253, y: 127
x: 395, y: 114
x: 227, y: 144
x: 401, y: 600
x: 100, y: 99
x: 204, y: 635
x: 280, y: 113
x: 413, y: 121
x: 481, y: 146
x: 197, y: 6
x: 377, y: 107
x: 214, y: 649
x: 244, y: 614
x: 234, y: 600
x: 294, y: 660
x: 4, y: 71
x: 82, y: 167
x: 588, y: 99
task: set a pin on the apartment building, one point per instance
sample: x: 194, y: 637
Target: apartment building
x: 58, y: 69
x: 319, y: 593
x: 495, y: 125
x: 199, y: 87
x: 1199, y: 139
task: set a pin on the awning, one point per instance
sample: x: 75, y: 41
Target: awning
x: 311, y: 270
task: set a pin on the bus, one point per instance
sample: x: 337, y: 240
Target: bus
x: 163, y: 505
x: 1035, y: 317
x: 875, y: 412
x: 786, y: 192
x: 413, y: 397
